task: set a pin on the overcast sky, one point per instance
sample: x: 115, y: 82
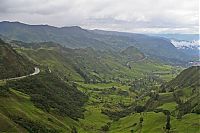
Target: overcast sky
x: 143, y: 16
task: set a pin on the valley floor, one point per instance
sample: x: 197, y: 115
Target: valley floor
x: 85, y: 91
x: 153, y: 122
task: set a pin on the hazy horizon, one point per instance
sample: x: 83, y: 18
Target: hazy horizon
x: 99, y: 29
x: 146, y: 17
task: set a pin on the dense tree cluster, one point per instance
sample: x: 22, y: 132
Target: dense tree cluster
x: 50, y: 93
x: 32, y: 126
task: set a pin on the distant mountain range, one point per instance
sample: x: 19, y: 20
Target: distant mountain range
x: 76, y: 37
x: 185, y: 37
x: 188, y: 44
x: 184, y: 44
x: 188, y: 47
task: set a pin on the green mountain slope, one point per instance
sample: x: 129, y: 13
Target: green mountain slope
x: 187, y: 78
x: 51, y: 94
x: 12, y: 64
x: 180, y: 108
x: 40, y: 103
x: 19, y: 114
x: 133, y: 53
x: 91, y: 91
x: 186, y: 88
x: 76, y: 37
x: 91, y: 65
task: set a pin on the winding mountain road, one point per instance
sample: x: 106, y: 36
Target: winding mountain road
x: 37, y: 71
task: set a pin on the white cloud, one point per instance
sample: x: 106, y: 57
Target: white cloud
x: 167, y: 16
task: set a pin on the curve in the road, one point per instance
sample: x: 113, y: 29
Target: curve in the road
x: 37, y: 71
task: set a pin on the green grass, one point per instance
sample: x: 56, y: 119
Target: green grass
x: 154, y: 123
x: 186, y: 93
x: 153, y: 67
x: 93, y: 120
x: 113, y: 97
x: 54, y: 60
x: 18, y: 104
x: 7, y: 126
x: 104, y: 85
x: 169, y: 106
x: 2, y: 83
x: 126, y: 124
x: 190, y: 123
x: 150, y: 66
x: 110, y: 67
x: 166, y: 97
x: 107, y: 68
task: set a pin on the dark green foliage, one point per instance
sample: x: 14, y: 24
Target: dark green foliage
x: 82, y: 74
x: 196, y: 109
x: 12, y: 64
x: 4, y: 91
x: 32, y: 126
x: 50, y: 93
x: 191, y: 105
x: 74, y: 130
x: 139, y: 109
x: 141, y: 120
x: 168, y: 126
x: 123, y: 93
x: 154, y: 96
x: 105, y: 128
x: 118, y: 114
x: 166, y: 112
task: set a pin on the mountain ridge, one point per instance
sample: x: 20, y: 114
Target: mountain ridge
x: 76, y: 37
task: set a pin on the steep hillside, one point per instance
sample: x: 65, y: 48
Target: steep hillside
x: 90, y: 65
x: 87, y: 90
x: 155, y: 47
x: 187, y: 78
x: 40, y: 103
x: 73, y: 37
x: 18, y: 114
x: 12, y: 64
x: 87, y: 64
x: 185, y: 88
x: 50, y: 93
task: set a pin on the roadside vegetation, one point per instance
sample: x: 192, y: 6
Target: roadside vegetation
x: 91, y: 91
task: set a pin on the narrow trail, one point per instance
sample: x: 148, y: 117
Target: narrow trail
x: 128, y: 63
x: 37, y: 71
